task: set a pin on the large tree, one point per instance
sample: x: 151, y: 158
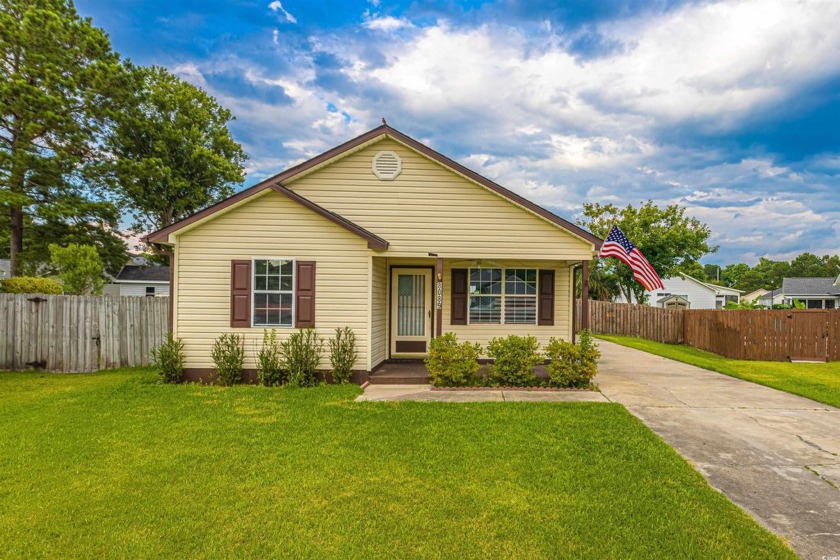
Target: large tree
x: 173, y: 152
x: 671, y: 241
x: 60, y: 82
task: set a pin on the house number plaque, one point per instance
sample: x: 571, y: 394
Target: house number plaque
x: 439, y: 295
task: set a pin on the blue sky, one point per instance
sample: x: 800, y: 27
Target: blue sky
x: 731, y: 109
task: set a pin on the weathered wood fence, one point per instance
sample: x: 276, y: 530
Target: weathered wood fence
x: 79, y: 333
x: 774, y: 335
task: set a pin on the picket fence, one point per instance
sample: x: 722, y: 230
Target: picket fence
x: 744, y: 334
x: 79, y: 333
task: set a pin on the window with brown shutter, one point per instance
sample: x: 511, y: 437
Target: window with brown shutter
x: 546, y: 303
x: 460, y: 297
x: 240, y: 293
x: 305, y: 294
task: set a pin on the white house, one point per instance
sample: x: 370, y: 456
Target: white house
x: 686, y: 292
x: 134, y: 280
x: 815, y: 293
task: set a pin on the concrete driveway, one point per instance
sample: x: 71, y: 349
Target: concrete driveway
x: 774, y: 454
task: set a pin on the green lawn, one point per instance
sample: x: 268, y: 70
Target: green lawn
x: 115, y: 465
x: 820, y: 382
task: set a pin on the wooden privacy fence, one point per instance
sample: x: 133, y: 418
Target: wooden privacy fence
x: 79, y: 333
x: 643, y: 321
x: 774, y: 335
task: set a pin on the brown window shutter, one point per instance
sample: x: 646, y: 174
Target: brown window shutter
x: 305, y: 294
x: 460, y: 296
x: 240, y: 293
x: 545, y: 307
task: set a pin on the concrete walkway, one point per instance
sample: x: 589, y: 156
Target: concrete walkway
x: 425, y: 393
x: 774, y: 454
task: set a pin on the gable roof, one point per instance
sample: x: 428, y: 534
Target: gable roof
x: 673, y: 296
x: 162, y: 235
x: 374, y: 241
x: 810, y: 287
x: 136, y: 273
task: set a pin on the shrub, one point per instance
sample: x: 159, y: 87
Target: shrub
x: 343, y: 354
x: 79, y: 267
x: 169, y: 359
x: 269, y: 361
x: 30, y: 285
x: 451, y: 364
x: 229, y: 356
x: 514, y: 358
x: 301, y: 356
x: 573, y: 365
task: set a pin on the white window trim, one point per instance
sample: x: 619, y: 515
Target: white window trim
x: 254, y: 290
x: 503, y: 295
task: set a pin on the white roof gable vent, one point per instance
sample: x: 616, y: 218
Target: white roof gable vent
x: 386, y: 165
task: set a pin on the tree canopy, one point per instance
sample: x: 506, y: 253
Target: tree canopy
x: 174, y: 154
x: 768, y: 274
x: 79, y: 268
x: 60, y: 85
x: 671, y: 241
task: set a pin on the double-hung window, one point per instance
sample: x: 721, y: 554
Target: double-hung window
x: 506, y: 296
x: 273, y: 293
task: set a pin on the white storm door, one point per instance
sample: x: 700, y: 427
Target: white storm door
x: 411, y: 311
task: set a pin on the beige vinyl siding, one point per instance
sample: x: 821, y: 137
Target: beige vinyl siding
x: 268, y: 226
x: 379, y: 312
x: 430, y: 208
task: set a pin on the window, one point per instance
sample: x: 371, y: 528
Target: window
x: 506, y: 296
x: 273, y: 292
x: 150, y: 291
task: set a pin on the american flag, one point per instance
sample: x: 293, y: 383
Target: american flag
x: 617, y: 245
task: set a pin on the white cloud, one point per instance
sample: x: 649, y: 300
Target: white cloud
x: 387, y: 23
x: 276, y: 6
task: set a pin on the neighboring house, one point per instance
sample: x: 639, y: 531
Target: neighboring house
x: 754, y: 295
x: 771, y: 298
x: 815, y: 293
x: 381, y: 234
x: 686, y: 292
x: 134, y: 280
x: 5, y: 268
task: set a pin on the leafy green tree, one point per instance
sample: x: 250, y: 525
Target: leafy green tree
x: 174, y: 153
x: 671, y: 241
x: 60, y: 82
x: 35, y: 256
x: 79, y: 268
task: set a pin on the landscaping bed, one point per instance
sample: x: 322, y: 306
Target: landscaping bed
x: 117, y: 464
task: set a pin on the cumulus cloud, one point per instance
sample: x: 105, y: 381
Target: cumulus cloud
x: 643, y: 119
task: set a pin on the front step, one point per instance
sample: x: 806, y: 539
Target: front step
x: 394, y: 379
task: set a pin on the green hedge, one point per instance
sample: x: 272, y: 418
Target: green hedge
x: 30, y: 285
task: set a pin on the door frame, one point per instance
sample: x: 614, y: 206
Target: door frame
x: 391, y: 318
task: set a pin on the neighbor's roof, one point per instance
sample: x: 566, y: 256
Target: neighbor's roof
x: 374, y: 242
x: 810, y: 287
x: 672, y: 296
x: 133, y: 273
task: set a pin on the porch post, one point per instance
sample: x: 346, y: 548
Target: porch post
x: 438, y: 297
x: 584, y: 296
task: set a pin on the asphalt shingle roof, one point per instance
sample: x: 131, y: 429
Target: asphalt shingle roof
x: 810, y: 287
x: 144, y: 273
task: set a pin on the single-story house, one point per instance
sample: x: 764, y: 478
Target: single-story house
x: 754, y: 295
x: 381, y: 234
x: 815, y: 293
x: 692, y: 294
x: 137, y: 280
x: 771, y: 298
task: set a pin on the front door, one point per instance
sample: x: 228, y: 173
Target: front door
x: 411, y: 312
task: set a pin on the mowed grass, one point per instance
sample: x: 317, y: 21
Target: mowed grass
x: 115, y: 465
x: 820, y: 382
